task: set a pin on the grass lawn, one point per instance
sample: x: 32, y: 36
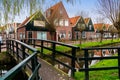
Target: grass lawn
x: 87, y: 44
x: 94, y: 44
x: 102, y: 74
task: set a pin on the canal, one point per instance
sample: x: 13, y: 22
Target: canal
x: 6, y: 63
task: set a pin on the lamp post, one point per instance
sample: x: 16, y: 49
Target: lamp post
x: 81, y: 28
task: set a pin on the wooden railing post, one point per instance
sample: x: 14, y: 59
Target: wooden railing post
x: 10, y: 46
x: 17, y: 51
x: 42, y: 55
x: 53, y: 53
x: 86, y: 64
x: 13, y: 47
x: 119, y: 63
x: 34, y: 43
x: 23, y: 51
x: 73, y: 61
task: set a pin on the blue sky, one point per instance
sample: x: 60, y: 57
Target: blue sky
x: 88, y: 6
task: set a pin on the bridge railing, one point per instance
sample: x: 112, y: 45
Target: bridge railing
x: 52, y: 47
x: 87, y: 59
x: 21, y: 52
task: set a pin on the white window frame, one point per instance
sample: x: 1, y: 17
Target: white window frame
x: 66, y: 23
x: 90, y: 27
x: 61, y: 22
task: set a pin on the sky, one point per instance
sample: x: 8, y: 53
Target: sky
x: 88, y: 6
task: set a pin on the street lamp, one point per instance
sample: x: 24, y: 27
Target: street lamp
x: 81, y: 28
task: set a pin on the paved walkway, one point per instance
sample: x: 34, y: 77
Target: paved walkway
x: 49, y: 72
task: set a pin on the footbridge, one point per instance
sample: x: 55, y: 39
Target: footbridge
x: 43, y: 59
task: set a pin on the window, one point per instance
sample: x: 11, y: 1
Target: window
x: 42, y: 35
x: 66, y: 23
x: 83, y: 34
x: 61, y: 22
x: 56, y: 22
x: 20, y: 35
x: 62, y: 34
x: 90, y: 27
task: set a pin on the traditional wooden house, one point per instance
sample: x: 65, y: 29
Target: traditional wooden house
x: 99, y: 28
x: 103, y: 30
x: 77, y: 23
x: 89, y: 32
x: 59, y: 20
x: 35, y: 26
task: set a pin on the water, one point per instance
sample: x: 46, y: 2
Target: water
x: 2, y: 72
x: 5, y: 66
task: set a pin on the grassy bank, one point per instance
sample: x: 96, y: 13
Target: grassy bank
x: 84, y: 45
x: 97, y: 44
x: 102, y: 74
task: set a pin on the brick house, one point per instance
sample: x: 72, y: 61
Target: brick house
x: 35, y: 26
x: 59, y: 19
x: 10, y: 30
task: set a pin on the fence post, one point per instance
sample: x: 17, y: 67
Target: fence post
x: 34, y: 43
x: 17, y: 51
x: 73, y: 61
x: 53, y: 53
x: 119, y: 63
x: 10, y: 46
x: 23, y: 51
x: 86, y: 64
x: 42, y: 49
x: 13, y: 47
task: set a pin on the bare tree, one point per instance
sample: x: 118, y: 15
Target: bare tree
x: 100, y: 20
x: 84, y: 14
x: 113, y: 31
x: 111, y: 10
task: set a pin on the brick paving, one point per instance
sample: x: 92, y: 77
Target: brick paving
x: 49, y: 72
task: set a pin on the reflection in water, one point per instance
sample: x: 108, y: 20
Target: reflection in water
x: 6, y: 66
x: 2, y: 72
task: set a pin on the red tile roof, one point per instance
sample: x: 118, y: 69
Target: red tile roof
x: 74, y: 20
x: 98, y: 26
x: 107, y: 26
x: 54, y: 8
x: 54, y: 11
x: 86, y: 20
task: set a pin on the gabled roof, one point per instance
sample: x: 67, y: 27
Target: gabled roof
x: 74, y: 20
x: 107, y: 26
x: 27, y: 20
x: 55, y: 8
x: 87, y: 20
x: 98, y: 26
